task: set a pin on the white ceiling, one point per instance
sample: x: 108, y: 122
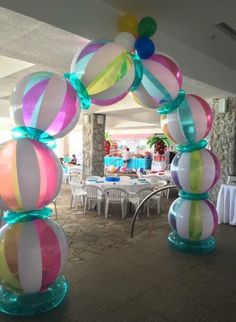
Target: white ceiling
x: 49, y: 48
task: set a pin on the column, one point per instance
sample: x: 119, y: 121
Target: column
x: 93, y: 144
x: 222, y: 140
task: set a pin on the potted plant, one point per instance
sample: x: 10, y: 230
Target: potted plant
x: 107, y: 143
x: 160, y: 142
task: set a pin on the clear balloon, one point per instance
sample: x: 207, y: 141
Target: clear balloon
x: 33, y: 255
x: 161, y: 82
x: 147, y: 27
x: 195, y: 172
x: 190, y: 122
x: 106, y: 70
x: 45, y: 101
x: 145, y: 47
x: 31, y: 175
x: 193, y: 220
x: 125, y: 40
x: 128, y: 23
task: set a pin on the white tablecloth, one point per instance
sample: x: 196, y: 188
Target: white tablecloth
x: 165, y: 176
x: 132, y: 185
x: 226, y: 204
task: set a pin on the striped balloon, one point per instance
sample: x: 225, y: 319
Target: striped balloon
x: 106, y: 70
x: 195, y: 172
x: 161, y: 82
x: 33, y: 255
x: 46, y: 101
x: 30, y: 175
x: 193, y: 220
x: 190, y: 122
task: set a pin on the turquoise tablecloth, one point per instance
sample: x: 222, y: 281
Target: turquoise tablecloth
x: 133, y: 163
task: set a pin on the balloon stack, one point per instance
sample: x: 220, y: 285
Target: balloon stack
x: 45, y: 106
x: 195, y: 170
x: 33, y: 248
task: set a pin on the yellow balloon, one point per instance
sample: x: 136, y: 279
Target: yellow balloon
x: 128, y: 23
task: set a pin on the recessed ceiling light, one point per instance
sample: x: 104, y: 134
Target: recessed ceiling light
x: 10, y: 66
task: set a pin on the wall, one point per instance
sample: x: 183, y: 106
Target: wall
x: 222, y: 141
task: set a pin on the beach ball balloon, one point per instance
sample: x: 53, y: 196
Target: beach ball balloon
x: 112, y: 169
x: 106, y: 71
x: 195, y: 172
x: 123, y: 169
x: 161, y: 82
x: 45, y: 101
x: 193, y: 220
x: 33, y: 255
x: 30, y: 175
x: 190, y: 122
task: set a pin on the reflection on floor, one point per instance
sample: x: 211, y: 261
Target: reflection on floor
x: 116, y: 279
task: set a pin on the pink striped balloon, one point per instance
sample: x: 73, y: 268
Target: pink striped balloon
x: 30, y: 176
x: 33, y: 255
x: 161, y: 82
x: 193, y: 220
x: 45, y: 101
x: 190, y: 122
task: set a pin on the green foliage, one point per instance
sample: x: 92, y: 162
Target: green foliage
x: 156, y: 138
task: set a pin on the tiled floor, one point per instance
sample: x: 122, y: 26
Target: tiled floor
x: 114, y: 278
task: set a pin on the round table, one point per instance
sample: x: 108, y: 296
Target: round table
x: 131, y: 186
x: 226, y: 204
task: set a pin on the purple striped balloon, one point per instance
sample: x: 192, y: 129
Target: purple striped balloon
x: 193, y: 220
x: 195, y: 172
x: 161, y: 82
x: 46, y: 101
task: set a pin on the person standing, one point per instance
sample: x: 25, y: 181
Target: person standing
x: 126, y: 156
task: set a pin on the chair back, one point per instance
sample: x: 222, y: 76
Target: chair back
x: 115, y: 194
x: 154, y: 179
x: 143, y: 193
x: 93, y: 192
x: 231, y: 179
x: 75, y: 175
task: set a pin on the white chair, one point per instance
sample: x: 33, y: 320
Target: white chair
x: 137, y: 198
x: 77, y: 192
x: 93, y: 194
x: 116, y: 195
x: 75, y: 175
x: 231, y: 180
x: 157, y: 197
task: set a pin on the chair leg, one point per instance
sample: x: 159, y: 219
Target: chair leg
x: 106, y: 208
x: 123, y: 209
x: 85, y: 204
x: 99, y: 207
x: 168, y: 194
x: 55, y: 206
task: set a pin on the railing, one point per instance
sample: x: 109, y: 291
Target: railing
x: 143, y: 202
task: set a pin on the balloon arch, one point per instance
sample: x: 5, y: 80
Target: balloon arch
x: 45, y: 106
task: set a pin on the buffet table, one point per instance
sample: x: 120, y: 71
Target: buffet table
x: 133, y: 163
x: 226, y: 204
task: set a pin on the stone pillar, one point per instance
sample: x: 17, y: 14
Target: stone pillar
x: 93, y: 144
x: 222, y: 141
